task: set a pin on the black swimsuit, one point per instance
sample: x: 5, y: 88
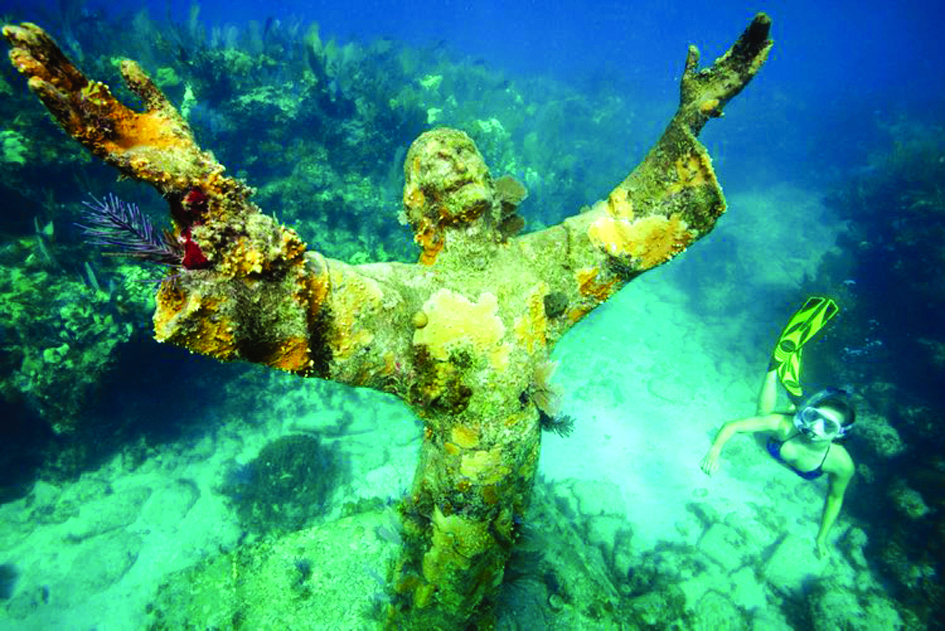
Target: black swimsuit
x: 774, y: 448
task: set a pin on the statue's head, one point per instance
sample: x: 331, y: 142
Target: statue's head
x: 448, y: 187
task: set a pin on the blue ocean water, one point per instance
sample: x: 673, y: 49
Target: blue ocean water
x: 838, y: 69
x: 832, y: 161
x: 842, y: 71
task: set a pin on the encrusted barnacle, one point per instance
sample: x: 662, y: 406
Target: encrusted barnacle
x: 622, y: 268
x: 555, y: 304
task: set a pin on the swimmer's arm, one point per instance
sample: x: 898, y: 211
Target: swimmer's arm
x: 750, y: 425
x: 839, y: 480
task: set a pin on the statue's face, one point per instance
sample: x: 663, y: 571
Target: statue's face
x: 447, y: 181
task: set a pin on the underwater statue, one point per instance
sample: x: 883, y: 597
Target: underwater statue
x: 462, y: 336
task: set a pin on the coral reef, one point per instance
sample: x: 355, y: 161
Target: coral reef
x: 466, y: 327
x: 61, y: 331
x: 887, y: 276
x: 285, y: 486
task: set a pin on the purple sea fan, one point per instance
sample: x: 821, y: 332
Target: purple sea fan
x: 126, y: 231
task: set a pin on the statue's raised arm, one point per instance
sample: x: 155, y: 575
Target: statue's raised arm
x: 670, y: 200
x: 246, y: 288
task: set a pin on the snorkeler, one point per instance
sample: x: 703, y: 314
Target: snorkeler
x: 803, y: 439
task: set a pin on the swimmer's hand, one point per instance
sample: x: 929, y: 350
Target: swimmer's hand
x: 821, y: 550
x: 710, y: 462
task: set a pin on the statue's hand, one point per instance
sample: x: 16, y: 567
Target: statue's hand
x: 155, y: 145
x: 703, y: 93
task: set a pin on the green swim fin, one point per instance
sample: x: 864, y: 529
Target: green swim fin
x: 802, y: 326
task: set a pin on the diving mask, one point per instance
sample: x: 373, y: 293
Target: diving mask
x: 813, y: 421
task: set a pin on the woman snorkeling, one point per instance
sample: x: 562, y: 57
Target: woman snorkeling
x: 801, y: 440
